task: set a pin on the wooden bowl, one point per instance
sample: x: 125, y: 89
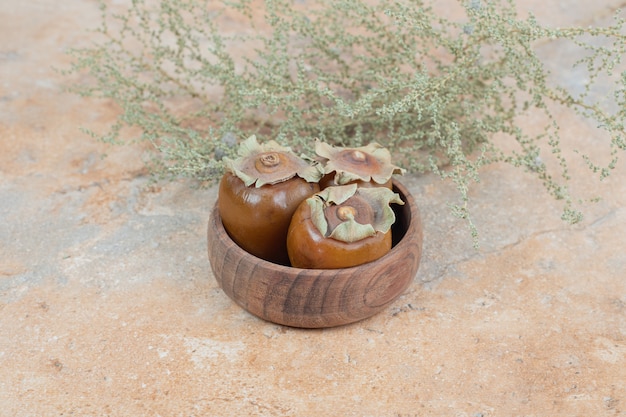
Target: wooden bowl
x: 315, y: 298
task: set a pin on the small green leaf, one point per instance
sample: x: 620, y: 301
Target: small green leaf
x: 338, y: 194
x: 352, y: 231
x: 380, y: 199
x: 317, y: 214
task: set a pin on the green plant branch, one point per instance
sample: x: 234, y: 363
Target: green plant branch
x: 432, y: 90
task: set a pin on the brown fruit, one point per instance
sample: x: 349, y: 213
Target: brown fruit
x: 258, y: 219
x: 258, y: 195
x: 341, y: 226
x: 366, y: 166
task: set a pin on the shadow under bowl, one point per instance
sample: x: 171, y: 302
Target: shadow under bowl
x: 318, y: 298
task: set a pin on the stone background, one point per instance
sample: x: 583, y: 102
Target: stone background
x: 108, y: 306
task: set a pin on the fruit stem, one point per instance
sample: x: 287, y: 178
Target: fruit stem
x: 270, y: 159
x: 268, y: 162
x: 346, y: 212
x: 358, y: 156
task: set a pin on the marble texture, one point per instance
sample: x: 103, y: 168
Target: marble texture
x: 108, y: 306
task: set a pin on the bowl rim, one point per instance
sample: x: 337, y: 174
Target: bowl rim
x: 413, y: 226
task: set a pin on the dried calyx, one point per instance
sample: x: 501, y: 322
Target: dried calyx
x: 349, y: 213
x: 269, y: 163
x: 366, y: 163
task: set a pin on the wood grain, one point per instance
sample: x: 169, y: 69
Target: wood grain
x: 315, y: 298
